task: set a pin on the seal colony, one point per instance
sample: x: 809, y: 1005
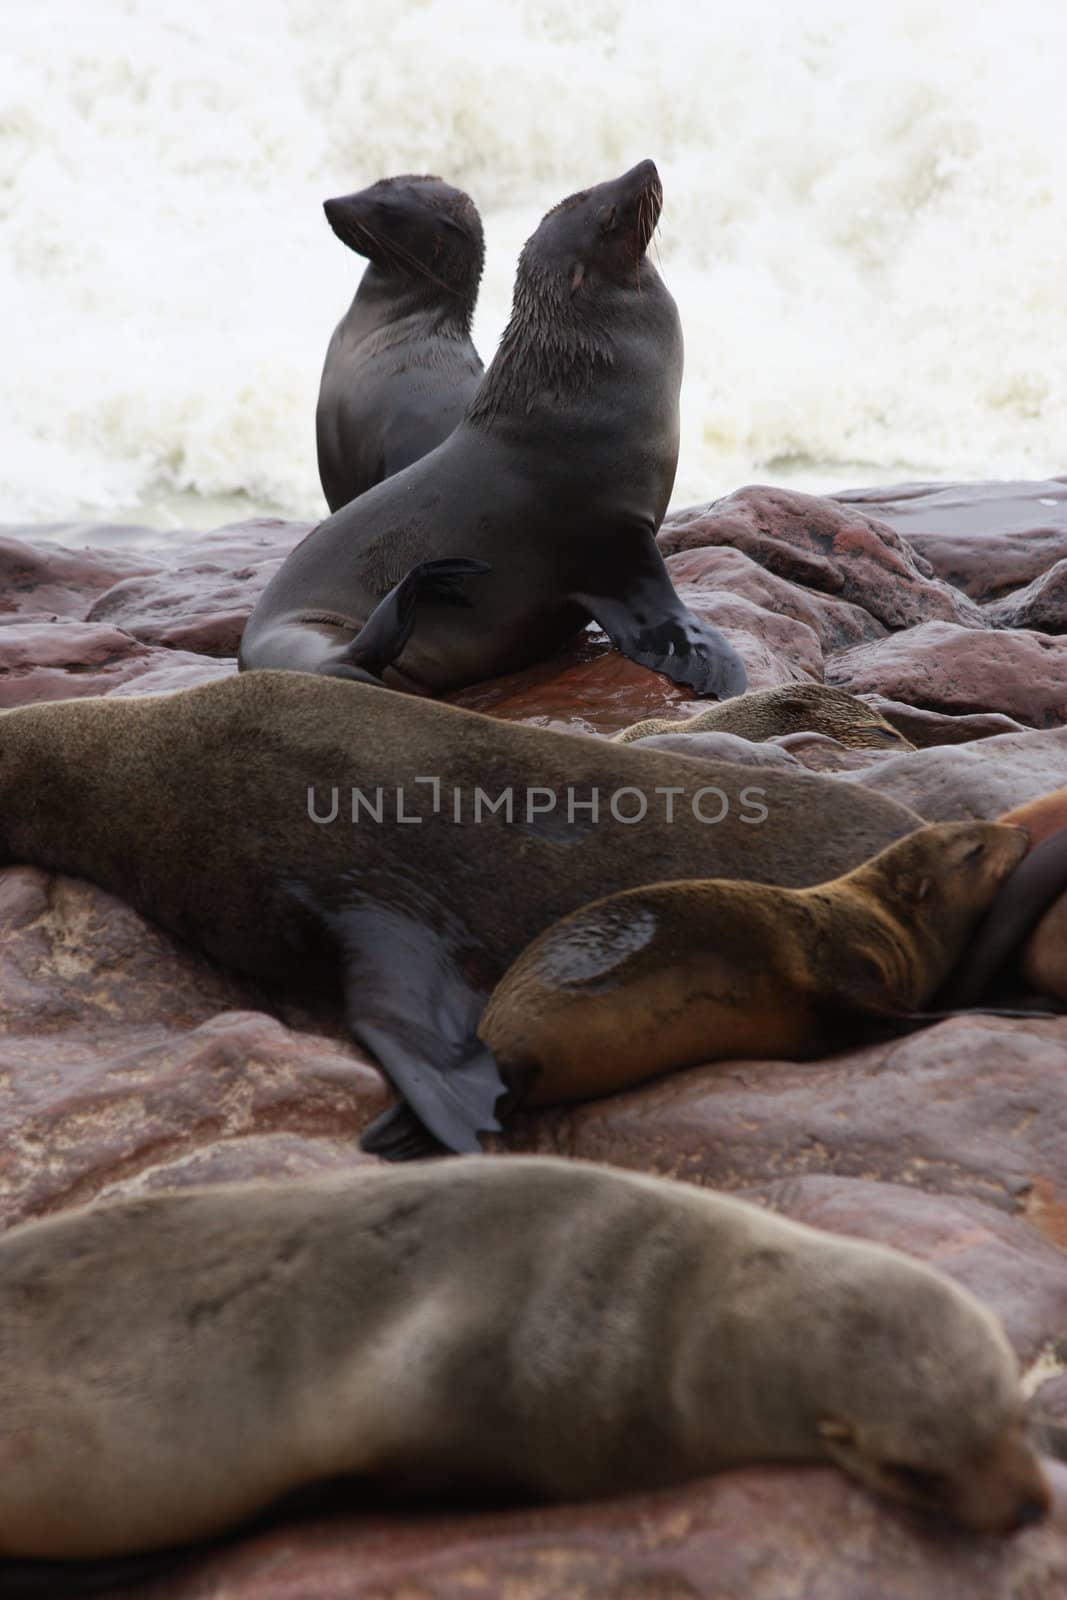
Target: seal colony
x: 558, y: 477
x: 787, y: 708
x: 305, y: 864
x: 175, y: 1363
x: 401, y: 367
x: 674, y: 974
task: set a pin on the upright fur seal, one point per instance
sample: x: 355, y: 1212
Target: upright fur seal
x: 401, y: 367
x: 403, y: 851
x: 558, y: 476
x: 787, y: 708
x: 171, y: 1365
x: 673, y: 974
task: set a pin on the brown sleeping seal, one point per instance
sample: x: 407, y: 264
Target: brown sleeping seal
x: 558, y: 477
x: 788, y: 708
x: 398, y: 851
x: 172, y: 1364
x: 673, y: 974
x: 401, y: 367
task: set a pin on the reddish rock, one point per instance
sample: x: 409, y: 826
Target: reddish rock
x: 985, y: 538
x: 954, y: 669
x: 203, y: 604
x: 1042, y: 604
x: 976, y: 1107
x: 47, y: 581
x: 770, y: 1533
x: 818, y: 543
x: 925, y: 728
x: 68, y: 660
x: 591, y: 688
x: 956, y: 782
x: 129, y: 1062
x: 836, y: 623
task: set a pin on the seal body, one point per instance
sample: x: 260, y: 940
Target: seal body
x: 401, y: 367
x: 787, y: 708
x: 170, y: 1365
x: 400, y: 850
x: 558, y: 476
x: 673, y: 974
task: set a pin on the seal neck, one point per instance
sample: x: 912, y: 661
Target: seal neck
x: 385, y: 297
x: 555, y: 347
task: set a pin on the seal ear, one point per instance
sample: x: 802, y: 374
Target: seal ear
x: 577, y: 275
x: 829, y: 1428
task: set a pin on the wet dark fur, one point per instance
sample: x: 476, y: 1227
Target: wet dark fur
x: 558, y: 477
x: 401, y: 366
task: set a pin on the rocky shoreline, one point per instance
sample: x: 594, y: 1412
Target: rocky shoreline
x: 133, y: 1064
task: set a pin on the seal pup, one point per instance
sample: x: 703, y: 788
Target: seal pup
x: 401, y: 367
x: 392, y: 850
x: 787, y: 708
x: 673, y: 974
x: 558, y: 476
x: 172, y: 1364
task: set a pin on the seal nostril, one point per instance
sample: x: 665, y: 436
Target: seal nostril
x: 1031, y: 1511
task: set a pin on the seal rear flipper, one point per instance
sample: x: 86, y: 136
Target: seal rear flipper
x: 388, y: 628
x: 453, y: 1099
x: 398, y: 1135
x: 408, y: 1003
x: 643, y: 617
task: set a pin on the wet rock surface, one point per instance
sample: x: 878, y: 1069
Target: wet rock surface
x: 130, y: 1063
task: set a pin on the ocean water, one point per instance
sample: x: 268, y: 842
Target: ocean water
x: 865, y: 225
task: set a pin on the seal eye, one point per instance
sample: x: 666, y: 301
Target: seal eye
x: 975, y: 852
x: 607, y: 220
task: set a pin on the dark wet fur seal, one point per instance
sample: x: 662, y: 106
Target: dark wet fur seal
x: 788, y: 708
x: 673, y: 974
x: 413, y: 922
x: 401, y: 367
x: 546, y: 1328
x: 558, y: 477
x: 1024, y: 901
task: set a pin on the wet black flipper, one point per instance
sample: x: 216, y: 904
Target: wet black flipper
x: 645, y: 620
x: 388, y: 628
x: 408, y: 1003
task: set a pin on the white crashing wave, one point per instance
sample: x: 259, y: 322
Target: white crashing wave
x: 865, y: 223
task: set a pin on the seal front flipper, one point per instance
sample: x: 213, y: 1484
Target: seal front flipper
x: 388, y: 628
x: 638, y: 608
x: 408, y: 1003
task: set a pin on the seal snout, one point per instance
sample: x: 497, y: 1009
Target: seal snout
x: 346, y: 215
x: 641, y: 189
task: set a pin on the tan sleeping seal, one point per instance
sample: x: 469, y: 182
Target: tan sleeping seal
x: 673, y: 974
x: 171, y: 1365
x: 397, y: 852
x: 788, y: 708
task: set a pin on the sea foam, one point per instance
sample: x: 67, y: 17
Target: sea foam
x: 865, y: 223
